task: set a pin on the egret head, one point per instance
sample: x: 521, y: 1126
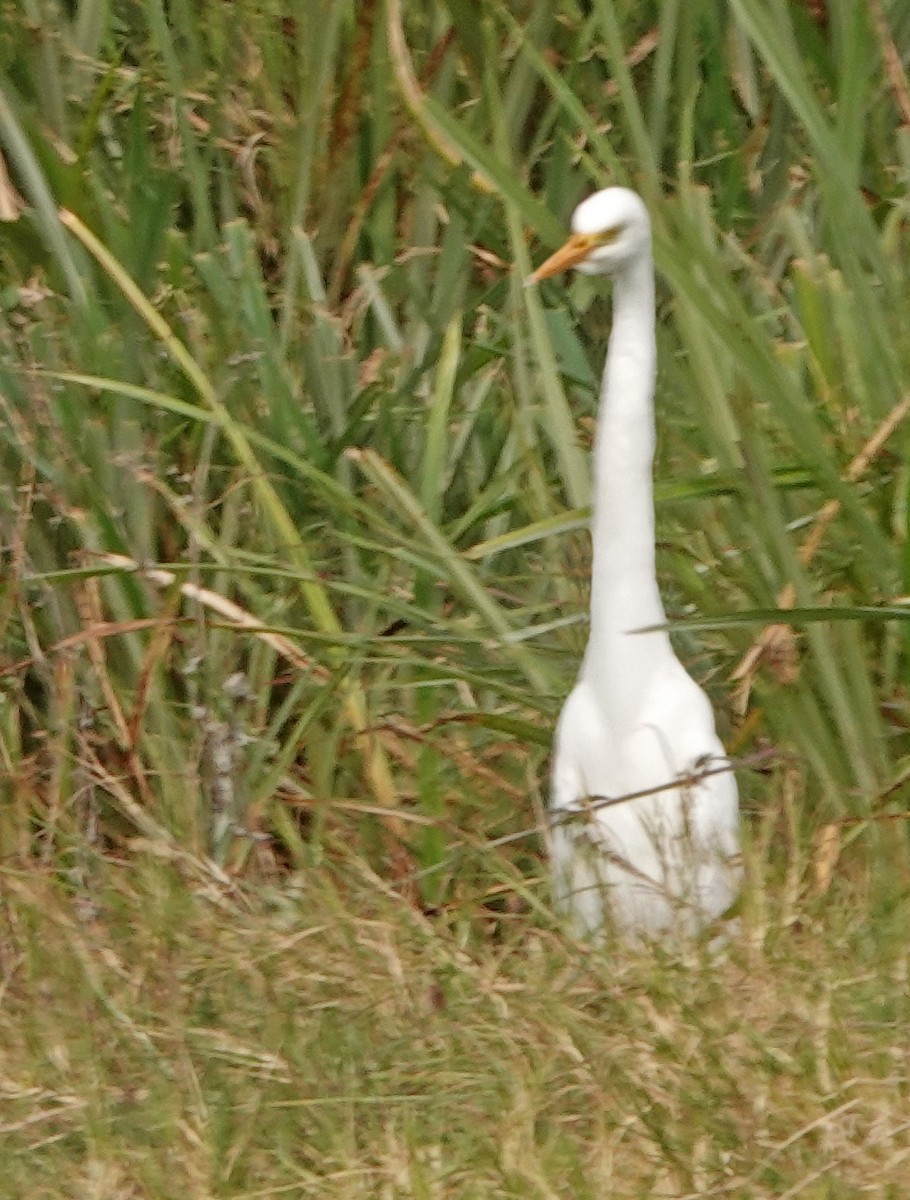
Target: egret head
x: 609, y: 230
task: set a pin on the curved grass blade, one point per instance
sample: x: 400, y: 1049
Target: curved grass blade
x: 284, y: 530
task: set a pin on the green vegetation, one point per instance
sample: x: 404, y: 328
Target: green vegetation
x: 293, y: 581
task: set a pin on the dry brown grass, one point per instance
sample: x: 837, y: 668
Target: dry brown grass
x: 166, y: 1035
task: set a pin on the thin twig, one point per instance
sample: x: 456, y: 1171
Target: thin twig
x: 757, y: 760
x: 690, y: 779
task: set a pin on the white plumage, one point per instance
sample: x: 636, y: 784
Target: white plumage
x: 635, y: 721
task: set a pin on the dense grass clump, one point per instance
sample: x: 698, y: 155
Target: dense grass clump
x: 293, y: 486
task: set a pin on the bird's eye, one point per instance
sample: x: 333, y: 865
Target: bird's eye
x: 608, y: 235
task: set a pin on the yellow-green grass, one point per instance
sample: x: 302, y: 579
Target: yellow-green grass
x: 169, y: 1034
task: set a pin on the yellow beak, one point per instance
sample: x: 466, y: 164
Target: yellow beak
x: 576, y: 250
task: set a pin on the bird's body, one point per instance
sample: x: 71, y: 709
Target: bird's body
x: 636, y: 724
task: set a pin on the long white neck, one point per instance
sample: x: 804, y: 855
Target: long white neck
x: 624, y: 594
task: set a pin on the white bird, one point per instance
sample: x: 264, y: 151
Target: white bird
x: 635, y: 722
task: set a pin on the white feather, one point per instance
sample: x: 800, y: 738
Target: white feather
x: 635, y: 722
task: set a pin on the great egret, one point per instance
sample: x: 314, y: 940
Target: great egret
x: 635, y: 722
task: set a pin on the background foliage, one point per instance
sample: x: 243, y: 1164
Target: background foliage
x: 293, y: 475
